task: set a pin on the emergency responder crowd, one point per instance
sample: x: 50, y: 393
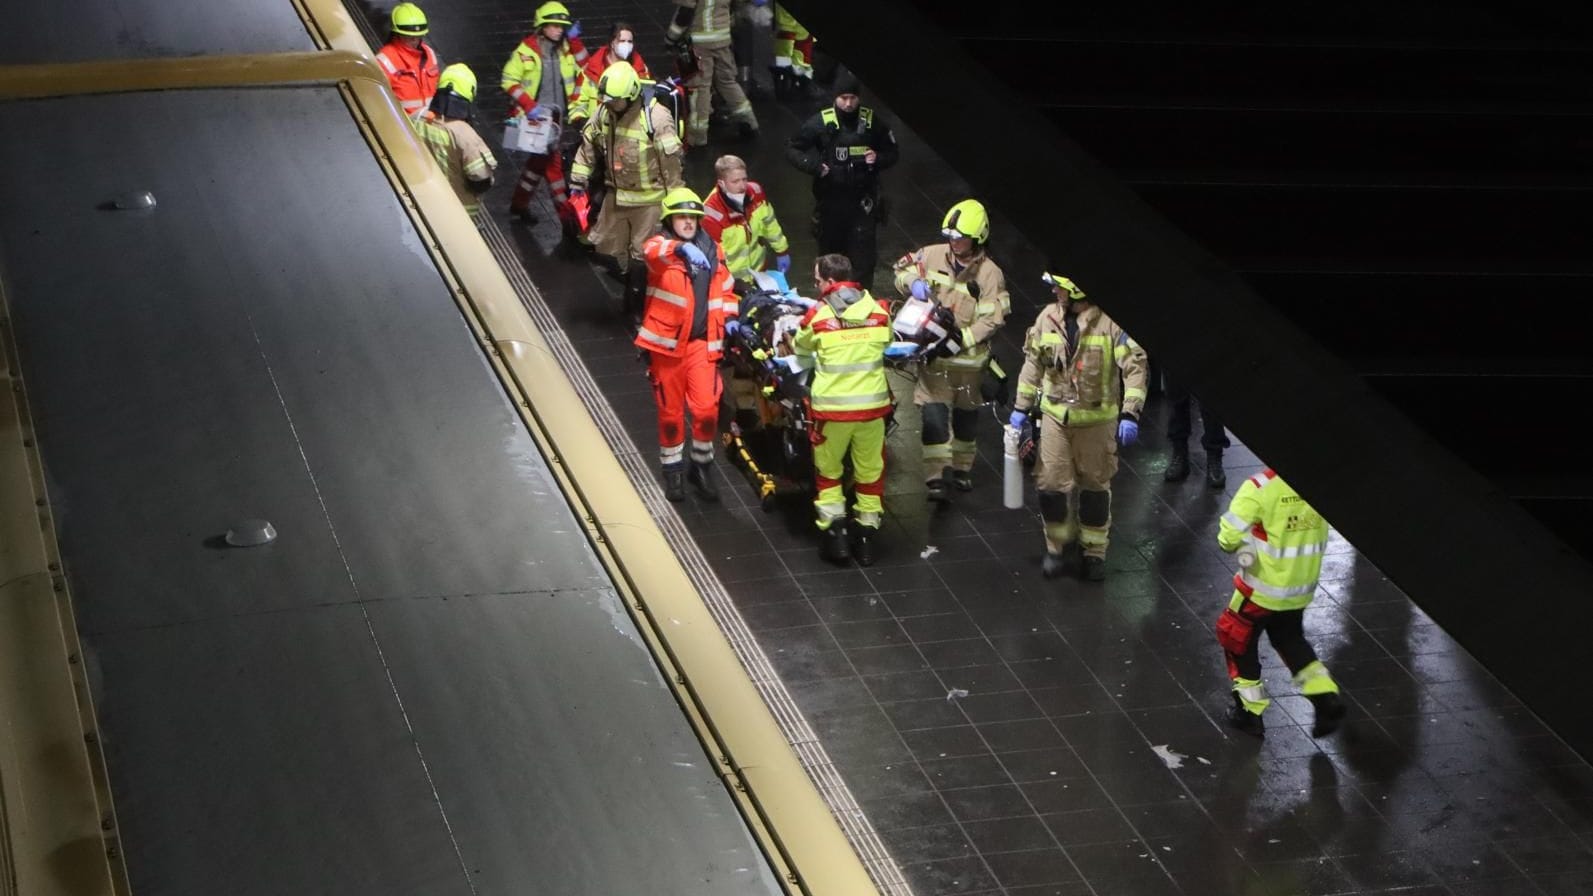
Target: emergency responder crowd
x: 601, y: 128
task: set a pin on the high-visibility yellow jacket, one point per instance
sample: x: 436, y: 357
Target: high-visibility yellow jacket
x: 976, y: 293
x: 847, y: 351
x: 1097, y: 378
x: 744, y: 234
x: 522, y: 77
x: 1289, y: 538
x: 639, y: 152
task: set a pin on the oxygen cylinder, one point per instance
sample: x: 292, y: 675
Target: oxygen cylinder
x: 1011, y: 469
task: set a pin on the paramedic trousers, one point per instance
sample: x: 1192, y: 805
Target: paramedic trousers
x: 689, y: 382
x: 864, y: 441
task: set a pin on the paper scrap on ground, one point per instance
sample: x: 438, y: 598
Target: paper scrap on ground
x: 927, y: 551
x: 955, y: 693
x: 1170, y: 758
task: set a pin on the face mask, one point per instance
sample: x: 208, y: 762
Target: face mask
x: 623, y: 49
x: 737, y: 198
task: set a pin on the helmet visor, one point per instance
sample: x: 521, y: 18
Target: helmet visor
x: 1057, y: 281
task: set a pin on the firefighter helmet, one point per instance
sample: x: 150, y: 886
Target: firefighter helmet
x: 552, y: 13
x: 967, y: 218
x: 409, y: 21
x: 619, y: 82
x: 460, y: 79
x: 1057, y: 281
x: 681, y: 201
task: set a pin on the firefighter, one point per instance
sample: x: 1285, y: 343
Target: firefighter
x: 690, y: 308
x: 1088, y: 378
x: 960, y: 275
x: 632, y: 140
x: 544, y: 81
x: 741, y: 218
x: 844, y: 148
x: 464, y: 157
x: 408, y: 61
x: 843, y: 339
x: 1280, y: 541
x: 702, y: 27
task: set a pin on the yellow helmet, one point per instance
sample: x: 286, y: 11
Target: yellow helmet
x: 552, y: 13
x: 619, y: 81
x: 409, y: 21
x: 460, y: 79
x: 1057, y: 281
x: 967, y: 218
x: 681, y: 201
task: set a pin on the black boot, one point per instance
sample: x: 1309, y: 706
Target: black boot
x: 675, y: 485
x: 833, y: 546
x: 962, y: 480
x: 1178, y: 464
x: 1094, y: 569
x: 1330, y: 711
x: 1245, y: 721
x: 1215, y: 477
x: 938, y: 491
x: 701, y: 475
x: 1066, y: 562
x: 863, y: 546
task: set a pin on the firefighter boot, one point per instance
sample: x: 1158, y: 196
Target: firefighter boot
x: 1330, y: 710
x: 701, y: 475
x: 1243, y: 720
x: 1094, y: 569
x: 1065, y: 562
x: 675, y: 485
x: 863, y: 546
x: 938, y: 492
x: 1215, y: 477
x: 962, y: 480
x: 1178, y: 464
x: 834, y: 547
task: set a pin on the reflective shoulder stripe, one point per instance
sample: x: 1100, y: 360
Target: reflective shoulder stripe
x: 387, y: 64
x: 1259, y: 480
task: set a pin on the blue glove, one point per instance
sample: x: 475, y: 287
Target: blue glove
x: 540, y: 113
x: 782, y: 263
x: 692, y: 255
x: 732, y: 327
x: 1017, y: 418
x: 1127, y: 432
x: 573, y: 31
x: 760, y: 2
x: 920, y: 289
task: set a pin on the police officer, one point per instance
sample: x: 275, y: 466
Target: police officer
x: 958, y: 274
x: 1088, y: 378
x: 844, y: 148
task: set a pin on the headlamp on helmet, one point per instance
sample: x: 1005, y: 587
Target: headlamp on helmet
x: 1057, y: 281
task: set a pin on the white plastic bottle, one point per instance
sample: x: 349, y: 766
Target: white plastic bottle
x: 1011, y: 469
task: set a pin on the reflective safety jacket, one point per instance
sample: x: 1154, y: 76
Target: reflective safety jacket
x: 710, y: 27
x: 672, y: 303
x: 793, y: 45
x: 640, y: 153
x: 977, y: 294
x: 847, y: 353
x: 1289, y: 538
x: 744, y: 234
x: 599, y: 62
x: 842, y: 145
x: 413, y: 74
x: 1098, y: 377
x: 522, y: 76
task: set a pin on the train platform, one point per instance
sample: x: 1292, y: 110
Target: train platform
x: 993, y: 732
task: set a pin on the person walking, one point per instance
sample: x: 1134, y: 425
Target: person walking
x: 703, y: 27
x: 1213, y: 438
x: 958, y: 274
x: 463, y: 155
x: 844, y: 147
x: 632, y: 140
x: 843, y: 339
x: 408, y: 61
x: 1280, y: 541
x: 1088, y: 379
x: 690, y: 308
x: 544, y: 81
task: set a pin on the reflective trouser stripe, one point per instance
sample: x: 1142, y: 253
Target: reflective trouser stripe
x: 962, y: 453
x: 1314, y: 680
x: 672, y: 455
x: 702, y: 452
x: 1252, y: 694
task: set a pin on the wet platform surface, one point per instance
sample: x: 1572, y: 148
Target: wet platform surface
x: 1006, y: 734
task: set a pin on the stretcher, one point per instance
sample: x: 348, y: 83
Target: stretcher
x: 770, y: 434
